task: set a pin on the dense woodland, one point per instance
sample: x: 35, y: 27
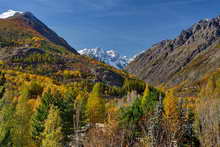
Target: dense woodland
x: 37, y: 111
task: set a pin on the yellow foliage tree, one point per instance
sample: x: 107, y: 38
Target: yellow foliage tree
x: 95, y: 107
x: 170, y: 106
x: 52, y: 135
x: 171, y: 114
x: 21, y: 132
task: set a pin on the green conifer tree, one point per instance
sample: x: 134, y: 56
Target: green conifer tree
x: 41, y: 115
x: 150, y: 99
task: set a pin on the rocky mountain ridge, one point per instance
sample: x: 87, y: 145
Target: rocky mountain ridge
x: 187, y: 58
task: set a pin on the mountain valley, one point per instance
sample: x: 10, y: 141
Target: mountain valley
x: 54, y: 95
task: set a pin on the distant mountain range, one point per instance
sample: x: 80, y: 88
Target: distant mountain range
x: 110, y: 57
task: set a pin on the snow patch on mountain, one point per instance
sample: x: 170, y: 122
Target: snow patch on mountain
x: 110, y: 57
x: 135, y: 56
x: 9, y: 13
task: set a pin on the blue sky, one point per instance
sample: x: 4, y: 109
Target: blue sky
x: 128, y: 26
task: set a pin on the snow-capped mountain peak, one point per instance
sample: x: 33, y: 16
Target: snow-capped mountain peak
x: 112, y: 53
x: 9, y: 13
x: 93, y: 52
x: 110, y: 57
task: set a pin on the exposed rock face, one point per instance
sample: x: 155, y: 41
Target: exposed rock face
x: 107, y: 76
x: 188, y: 57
